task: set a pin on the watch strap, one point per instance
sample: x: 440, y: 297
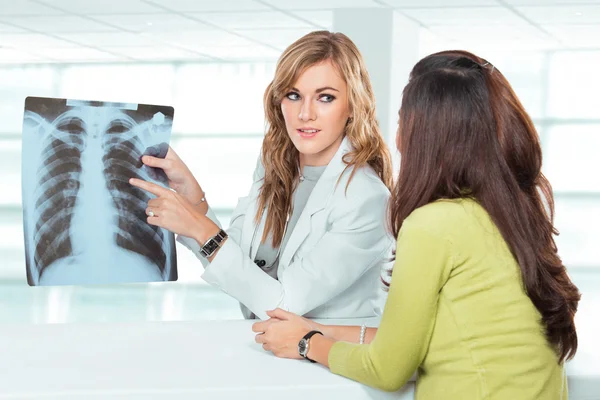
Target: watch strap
x: 307, y: 339
x: 212, y: 244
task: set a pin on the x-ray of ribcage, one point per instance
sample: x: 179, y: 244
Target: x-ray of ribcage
x: 83, y: 222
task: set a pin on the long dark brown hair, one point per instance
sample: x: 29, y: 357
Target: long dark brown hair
x: 279, y: 155
x: 463, y: 129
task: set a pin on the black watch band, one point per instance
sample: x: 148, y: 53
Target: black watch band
x: 303, y: 345
x: 212, y: 244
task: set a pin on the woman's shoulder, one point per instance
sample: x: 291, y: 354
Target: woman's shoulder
x: 362, y: 178
x: 362, y: 192
x: 447, y: 216
x: 362, y: 187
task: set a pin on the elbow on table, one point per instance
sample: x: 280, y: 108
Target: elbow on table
x: 284, y: 303
x: 388, y: 385
x: 297, y: 300
x: 295, y: 307
x: 387, y: 378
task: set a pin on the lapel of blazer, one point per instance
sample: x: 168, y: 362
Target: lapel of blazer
x: 317, y: 201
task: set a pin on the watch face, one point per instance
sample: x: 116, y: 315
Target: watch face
x: 210, y: 246
x: 302, y: 347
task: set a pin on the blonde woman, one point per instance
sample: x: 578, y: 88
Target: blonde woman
x: 308, y: 237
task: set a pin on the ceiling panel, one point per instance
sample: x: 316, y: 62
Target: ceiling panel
x: 482, y: 46
x: 25, y: 7
x: 493, y: 33
x: 321, y: 18
x: 492, y: 40
x: 102, y: 39
x: 32, y: 40
x: 156, y: 53
x: 439, y: 3
x: 322, y: 4
x: 104, y: 6
x: 81, y: 54
x: 254, y: 52
x: 477, y: 16
x: 211, y: 5
x: 251, y: 20
x: 548, y: 2
x: 430, y: 42
x: 585, y: 14
x: 576, y: 36
x: 193, y: 39
x: 280, y: 38
x: 151, y: 22
x: 12, y: 56
x: 58, y: 24
x: 10, y: 29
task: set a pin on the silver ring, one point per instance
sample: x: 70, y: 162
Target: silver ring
x: 151, y: 213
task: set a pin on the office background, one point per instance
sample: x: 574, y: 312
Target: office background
x: 212, y: 60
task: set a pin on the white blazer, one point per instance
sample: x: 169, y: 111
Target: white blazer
x: 332, y: 263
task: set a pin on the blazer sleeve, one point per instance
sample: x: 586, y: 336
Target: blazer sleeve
x: 234, y: 231
x: 356, y: 241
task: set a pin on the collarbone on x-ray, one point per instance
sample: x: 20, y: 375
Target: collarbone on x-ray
x: 83, y: 222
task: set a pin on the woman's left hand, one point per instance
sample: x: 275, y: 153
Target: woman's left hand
x: 281, y: 333
x: 171, y: 211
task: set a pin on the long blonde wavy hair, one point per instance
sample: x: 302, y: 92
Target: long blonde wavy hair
x: 280, y: 157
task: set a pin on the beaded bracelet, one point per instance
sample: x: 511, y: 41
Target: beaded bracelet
x: 363, y: 330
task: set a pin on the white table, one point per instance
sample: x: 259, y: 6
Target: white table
x: 160, y: 360
x: 192, y: 360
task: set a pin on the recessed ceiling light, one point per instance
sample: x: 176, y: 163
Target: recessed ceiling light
x: 578, y: 13
x: 149, y: 23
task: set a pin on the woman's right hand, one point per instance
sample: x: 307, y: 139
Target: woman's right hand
x: 180, y: 177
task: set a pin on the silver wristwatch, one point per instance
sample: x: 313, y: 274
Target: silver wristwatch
x: 212, y: 244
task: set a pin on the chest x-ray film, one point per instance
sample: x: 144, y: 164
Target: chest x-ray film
x: 84, y: 223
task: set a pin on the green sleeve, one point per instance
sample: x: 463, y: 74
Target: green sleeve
x: 422, y: 266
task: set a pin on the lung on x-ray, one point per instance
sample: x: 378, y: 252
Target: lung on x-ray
x: 83, y: 222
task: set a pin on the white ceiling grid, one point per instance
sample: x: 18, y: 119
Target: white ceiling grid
x: 69, y: 31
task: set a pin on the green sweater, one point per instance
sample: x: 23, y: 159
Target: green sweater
x: 458, y: 313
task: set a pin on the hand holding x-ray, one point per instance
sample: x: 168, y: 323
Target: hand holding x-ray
x: 171, y: 211
x: 179, y: 176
